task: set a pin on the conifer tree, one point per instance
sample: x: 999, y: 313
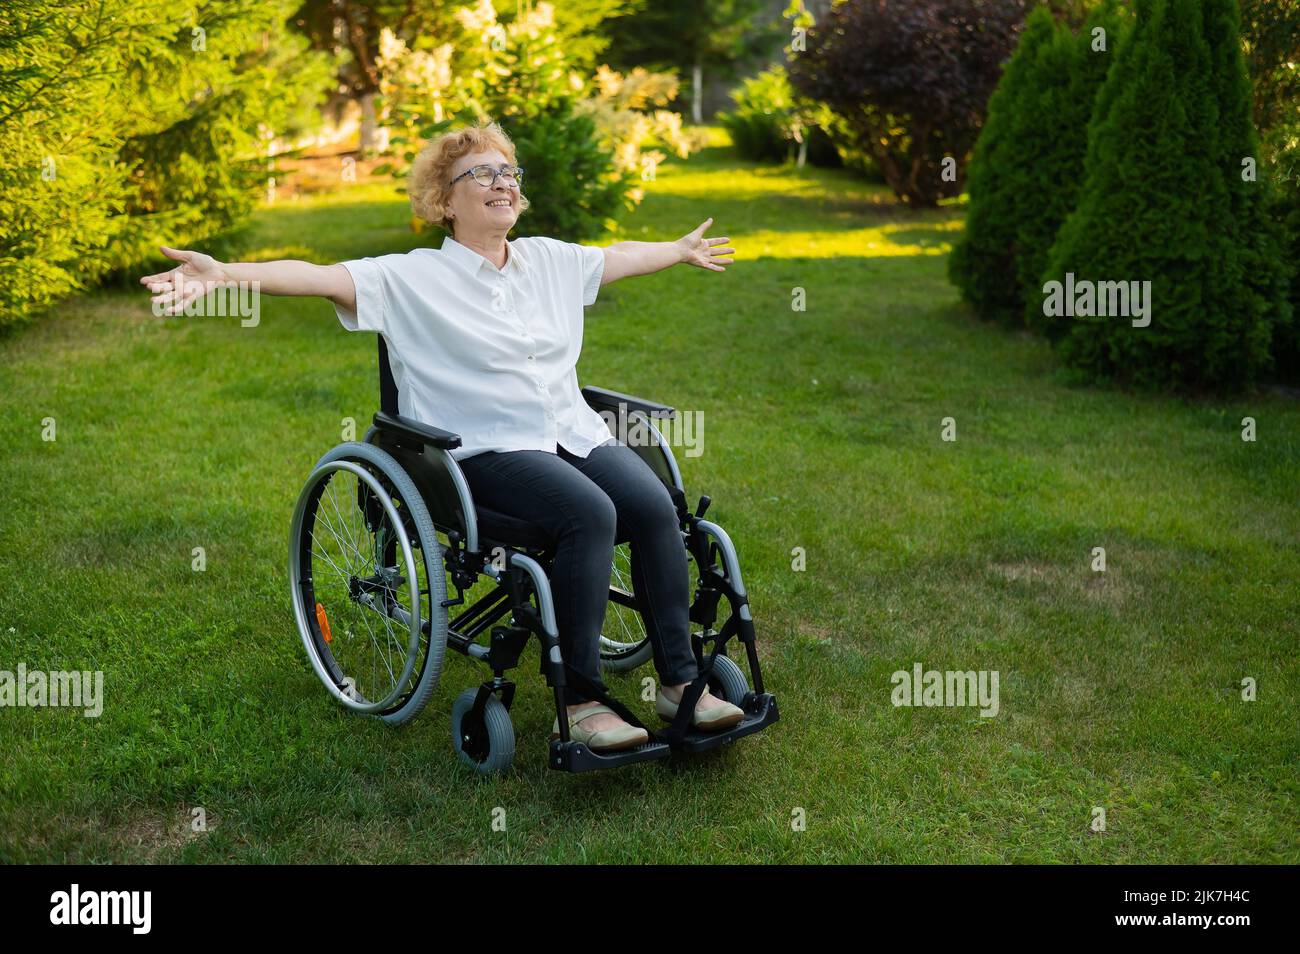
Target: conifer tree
x: 1052, y: 130
x: 1164, y: 201
x: 983, y: 263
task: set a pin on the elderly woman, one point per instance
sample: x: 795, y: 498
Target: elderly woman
x: 483, y: 337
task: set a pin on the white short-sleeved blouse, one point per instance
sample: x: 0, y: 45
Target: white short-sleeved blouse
x: 489, y: 354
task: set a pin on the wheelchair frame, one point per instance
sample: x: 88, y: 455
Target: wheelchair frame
x: 523, y: 591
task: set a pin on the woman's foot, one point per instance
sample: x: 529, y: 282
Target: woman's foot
x: 600, y: 729
x: 711, y: 713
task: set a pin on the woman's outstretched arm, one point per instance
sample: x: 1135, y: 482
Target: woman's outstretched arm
x: 625, y: 259
x: 199, y: 274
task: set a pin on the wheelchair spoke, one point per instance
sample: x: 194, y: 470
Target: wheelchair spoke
x: 623, y: 642
x: 315, y: 553
x: 349, y: 540
x: 338, y: 535
x: 622, y: 622
x: 359, y: 548
x: 353, y: 578
x: 374, y: 643
x: 388, y: 628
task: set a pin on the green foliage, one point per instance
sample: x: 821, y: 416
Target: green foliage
x: 1163, y: 200
x: 983, y: 264
x: 1051, y: 129
x: 581, y: 147
x: 199, y: 161
x: 568, y: 165
x: 1286, y: 338
x: 123, y: 126
x: 770, y: 121
x: 59, y: 189
x: 680, y: 34
x: 1271, y: 36
x: 1270, y: 31
x: 1025, y: 172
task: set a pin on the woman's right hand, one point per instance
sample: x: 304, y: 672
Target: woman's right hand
x: 197, y: 275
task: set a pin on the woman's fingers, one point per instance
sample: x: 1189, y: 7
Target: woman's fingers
x: 709, y: 252
x: 172, y: 276
x: 165, y: 281
x: 697, y: 234
x: 175, y: 292
x: 184, y: 256
x: 715, y: 253
x: 178, y: 306
x: 169, y: 276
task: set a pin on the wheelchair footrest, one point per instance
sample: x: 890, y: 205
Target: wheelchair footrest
x: 573, y: 756
x: 760, y: 712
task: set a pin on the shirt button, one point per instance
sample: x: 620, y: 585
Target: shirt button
x: 530, y: 357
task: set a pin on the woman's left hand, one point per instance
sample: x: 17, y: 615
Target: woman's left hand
x: 705, y: 252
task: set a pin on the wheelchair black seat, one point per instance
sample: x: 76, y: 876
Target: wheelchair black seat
x: 501, y: 529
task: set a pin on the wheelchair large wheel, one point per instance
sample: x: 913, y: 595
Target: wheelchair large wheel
x: 624, y: 644
x: 368, y: 583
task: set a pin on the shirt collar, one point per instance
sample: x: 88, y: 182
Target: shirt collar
x: 472, y: 262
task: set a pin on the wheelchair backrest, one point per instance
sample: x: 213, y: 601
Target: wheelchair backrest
x: 387, y: 384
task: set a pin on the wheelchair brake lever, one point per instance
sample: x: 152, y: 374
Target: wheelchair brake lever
x: 703, y: 505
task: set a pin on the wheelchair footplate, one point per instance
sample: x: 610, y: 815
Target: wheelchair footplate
x: 760, y: 712
x: 574, y: 756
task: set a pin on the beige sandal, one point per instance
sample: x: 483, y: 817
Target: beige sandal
x: 606, y: 740
x: 723, y: 716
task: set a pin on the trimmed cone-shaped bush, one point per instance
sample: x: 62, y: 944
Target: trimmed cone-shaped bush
x: 1163, y: 202
x: 1286, y: 338
x: 983, y: 263
x: 1266, y: 262
x: 1052, y: 130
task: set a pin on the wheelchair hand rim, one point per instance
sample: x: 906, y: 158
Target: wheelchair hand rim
x: 295, y: 582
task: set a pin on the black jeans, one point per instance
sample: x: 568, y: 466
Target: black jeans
x: 582, y: 503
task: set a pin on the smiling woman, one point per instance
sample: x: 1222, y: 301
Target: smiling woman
x: 483, y: 337
x: 434, y: 179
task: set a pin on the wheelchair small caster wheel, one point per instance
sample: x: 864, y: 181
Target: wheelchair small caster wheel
x: 486, y: 745
x: 728, y: 682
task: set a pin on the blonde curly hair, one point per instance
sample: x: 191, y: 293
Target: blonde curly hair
x: 431, y: 170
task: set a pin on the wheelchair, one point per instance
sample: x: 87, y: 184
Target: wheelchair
x: 386, y: 528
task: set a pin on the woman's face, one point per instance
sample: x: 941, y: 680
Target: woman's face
x: 478, y: 210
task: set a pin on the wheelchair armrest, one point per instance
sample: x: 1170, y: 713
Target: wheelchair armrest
x: 403, y: 428
x: 601, y: 399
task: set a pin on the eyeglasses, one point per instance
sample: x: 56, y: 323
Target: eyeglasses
x: 486, y: 176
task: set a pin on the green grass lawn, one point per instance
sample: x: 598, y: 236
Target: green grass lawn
x: 1119, y: 690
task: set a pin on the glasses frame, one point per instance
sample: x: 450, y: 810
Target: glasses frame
x: 517, y: 172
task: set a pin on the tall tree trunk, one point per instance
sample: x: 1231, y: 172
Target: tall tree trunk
x: 697, y: 90
x: 369, y: 127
